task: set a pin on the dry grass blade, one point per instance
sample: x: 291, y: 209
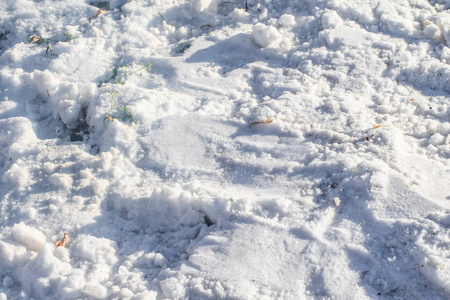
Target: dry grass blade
x: 266, y: 121
x: 378, y: 126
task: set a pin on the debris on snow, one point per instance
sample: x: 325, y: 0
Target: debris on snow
x: 266, y: 121
x: 62, y: 242
x: 336, y: 201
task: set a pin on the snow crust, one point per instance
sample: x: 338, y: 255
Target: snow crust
x: 212, y: 149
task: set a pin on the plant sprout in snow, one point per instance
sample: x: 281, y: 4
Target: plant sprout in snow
x: 128, y: 72
x: 120, y: 112
x: 69, y: 36
x: 40, y: 40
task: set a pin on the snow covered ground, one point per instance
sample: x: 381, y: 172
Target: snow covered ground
x: 212, y: 149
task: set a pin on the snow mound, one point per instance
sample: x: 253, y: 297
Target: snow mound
x: 28, y: 236
x: 266, y: 36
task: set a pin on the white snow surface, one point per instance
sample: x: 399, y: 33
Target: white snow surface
x: 274, y: 149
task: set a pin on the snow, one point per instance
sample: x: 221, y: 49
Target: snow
x: 265, y: 35
x: 212, y: 149
x: 28, y: 236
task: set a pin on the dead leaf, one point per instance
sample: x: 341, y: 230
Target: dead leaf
x: 34, y: 39
x: 99, y: 12
x: 266, y: 121
x: 378, y: 126
x: 62, y: 242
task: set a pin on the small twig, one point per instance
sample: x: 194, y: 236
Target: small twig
x: 229, y: 2
x: 120, y: 5
x: 161, y: 16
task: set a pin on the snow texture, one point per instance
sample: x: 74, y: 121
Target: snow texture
x: 211, y: 149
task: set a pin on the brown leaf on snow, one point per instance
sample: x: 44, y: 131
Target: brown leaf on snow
x: 378, y: 126
x: 34, y: 39
x: 269, y: 120
x: 62, y: 242
x: 99, y: 12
